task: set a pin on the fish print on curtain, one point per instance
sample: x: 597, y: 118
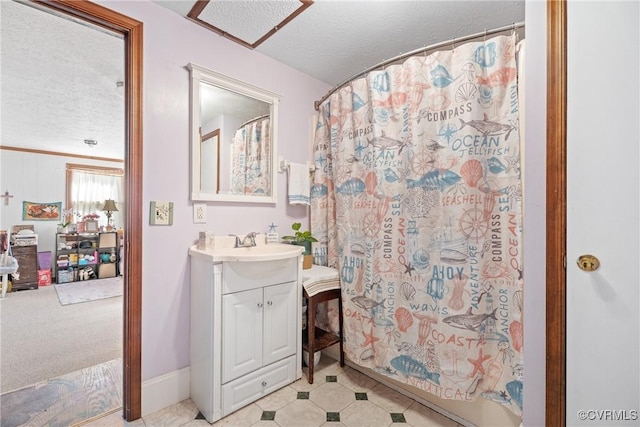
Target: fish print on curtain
x: 417, y: 201
x: 250, y: 163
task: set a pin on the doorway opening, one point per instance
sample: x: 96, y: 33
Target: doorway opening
x: 130, y: 31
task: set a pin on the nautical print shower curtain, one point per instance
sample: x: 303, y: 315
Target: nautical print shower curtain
x: 250, y: 163
x: 417, y: 201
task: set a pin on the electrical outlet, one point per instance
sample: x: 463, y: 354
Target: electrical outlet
x: 199, y: 213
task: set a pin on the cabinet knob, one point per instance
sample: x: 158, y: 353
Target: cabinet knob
x: 264, y: 383
x: 259, y: 305
x: 269, y: 302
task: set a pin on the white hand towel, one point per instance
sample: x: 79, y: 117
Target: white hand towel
x: 299, y: 184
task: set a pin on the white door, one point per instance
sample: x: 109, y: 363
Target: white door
x: 241, y: 333
x: 602, y: 213
x: 280, y: 322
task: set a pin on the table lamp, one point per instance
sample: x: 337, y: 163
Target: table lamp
x: 109, y: 207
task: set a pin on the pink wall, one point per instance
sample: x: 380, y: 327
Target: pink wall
x: 170, y: 43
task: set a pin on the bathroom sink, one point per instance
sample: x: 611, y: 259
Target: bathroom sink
x: 263, y: 252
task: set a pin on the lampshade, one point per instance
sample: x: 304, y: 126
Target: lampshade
x: 109, y: 206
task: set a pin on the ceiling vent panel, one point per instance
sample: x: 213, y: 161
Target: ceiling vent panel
x: 246, y: 22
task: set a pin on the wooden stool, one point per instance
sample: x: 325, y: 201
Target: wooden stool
x: 315, y: 338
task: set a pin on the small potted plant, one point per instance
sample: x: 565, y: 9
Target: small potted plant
x: 63, y: 227
x: 302, y: 238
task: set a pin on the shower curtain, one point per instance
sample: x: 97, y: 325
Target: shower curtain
x: 417, y: 201
x: 250, y: 163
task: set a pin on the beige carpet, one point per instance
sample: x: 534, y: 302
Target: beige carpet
x: 42, y: 339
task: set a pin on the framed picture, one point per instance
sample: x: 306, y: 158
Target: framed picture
x: 161, y: 213
x: 91, y: 226
x: 32, y: 211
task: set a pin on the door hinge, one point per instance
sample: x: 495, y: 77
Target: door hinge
x: 564, y: 262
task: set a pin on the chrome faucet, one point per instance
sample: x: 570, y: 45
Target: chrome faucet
x: 237, y: 243
x: 251, y: 237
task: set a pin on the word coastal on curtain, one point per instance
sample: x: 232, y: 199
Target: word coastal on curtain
x: 417, y: 200
x: 251, y: 158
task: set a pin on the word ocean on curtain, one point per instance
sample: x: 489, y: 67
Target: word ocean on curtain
x: 417, y: 200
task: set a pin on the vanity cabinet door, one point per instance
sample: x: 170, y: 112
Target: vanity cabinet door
x: 241, y: 333
x: 280, y: 322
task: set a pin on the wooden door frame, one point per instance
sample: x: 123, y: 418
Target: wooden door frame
x: 131, y: 30
x: 556, y: 199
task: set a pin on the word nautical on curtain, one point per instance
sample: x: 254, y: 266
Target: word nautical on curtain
x: 417, y: 201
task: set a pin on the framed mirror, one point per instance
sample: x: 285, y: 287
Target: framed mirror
x: 233, y: 139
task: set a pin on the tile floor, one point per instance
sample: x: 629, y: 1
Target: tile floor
x: 338, y: 397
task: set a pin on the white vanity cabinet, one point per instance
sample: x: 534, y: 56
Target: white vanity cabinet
x: 258, y: 328
x: 245, y: 331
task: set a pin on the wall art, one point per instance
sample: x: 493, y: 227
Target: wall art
x: 32, y: 211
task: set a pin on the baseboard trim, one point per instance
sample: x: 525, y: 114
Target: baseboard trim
x: 165, y: 390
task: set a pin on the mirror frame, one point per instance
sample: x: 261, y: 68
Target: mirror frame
x: 200, y: 74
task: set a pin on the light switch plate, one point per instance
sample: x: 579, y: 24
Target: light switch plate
x: 199, y: 213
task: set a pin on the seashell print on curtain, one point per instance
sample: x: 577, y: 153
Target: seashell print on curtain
x: 251, y: 159
x: 417, y: 201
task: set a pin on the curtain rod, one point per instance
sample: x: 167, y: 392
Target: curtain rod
x: 415, y: 52
x: 253, y: 120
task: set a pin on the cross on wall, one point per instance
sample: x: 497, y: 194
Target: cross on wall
x: 6, y: 196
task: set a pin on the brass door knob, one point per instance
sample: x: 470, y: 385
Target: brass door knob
x: 588, y: 263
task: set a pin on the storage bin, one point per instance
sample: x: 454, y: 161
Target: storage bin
x: 65, y: 276
x: 107, y: 240
x: 106, y: 270
x: 44, y: 277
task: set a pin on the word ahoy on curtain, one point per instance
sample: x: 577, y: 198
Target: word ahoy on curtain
x: 417, y: 200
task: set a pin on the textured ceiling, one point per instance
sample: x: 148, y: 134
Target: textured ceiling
x: 335, y: 39
x: 52, y: 100
x: 331, y: 40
